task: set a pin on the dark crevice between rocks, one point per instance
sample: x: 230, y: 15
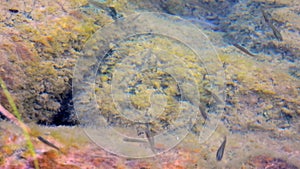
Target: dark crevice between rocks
x: 66, y: 114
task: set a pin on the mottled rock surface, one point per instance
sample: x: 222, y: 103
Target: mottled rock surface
x: 40, y: 42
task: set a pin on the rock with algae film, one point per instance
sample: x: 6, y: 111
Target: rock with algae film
x: 41, y: 40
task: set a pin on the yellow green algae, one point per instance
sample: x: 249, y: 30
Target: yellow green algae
x: 248, y: 76
x: 44, y: 46
x: 152, y: 77
x: 39, y: 54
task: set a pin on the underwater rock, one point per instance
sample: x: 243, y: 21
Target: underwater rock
x: 261, y: 162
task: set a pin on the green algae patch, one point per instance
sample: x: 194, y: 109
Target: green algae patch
x: 152, y: 77
x: 44, y: 44
x: 249, y: 82
x: 250, y: 73
x: 42, y: 71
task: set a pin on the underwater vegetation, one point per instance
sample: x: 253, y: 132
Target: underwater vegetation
x: 258, y: 45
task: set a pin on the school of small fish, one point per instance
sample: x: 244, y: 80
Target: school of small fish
x: 276, y: 32
x: 269, y: 21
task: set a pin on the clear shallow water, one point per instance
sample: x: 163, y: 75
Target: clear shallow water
x: 159, y: 82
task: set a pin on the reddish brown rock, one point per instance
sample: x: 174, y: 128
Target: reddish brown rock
x: 263, y: 162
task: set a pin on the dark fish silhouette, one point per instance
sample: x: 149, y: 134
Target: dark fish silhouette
x: 215, y: 97
x: 265, y: 15
x: 276, y: 32
x: 203, y: 112
x: 243, y: 49
x: 150, y: 138
x: 220, y: 151
x: 135, y: 140
x: 47, y: 143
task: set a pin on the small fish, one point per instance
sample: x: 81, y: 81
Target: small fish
x: 203, y: 112
x: 216, y: 98
x: 276, y: 32
x: 149, y: 137
x: 47, y: 143
x: 220, y: 151
x: 264, y: 13
x: 202, y: 22
x: 136, y: 140
x: 243, y: 49
x: 110, y: 10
